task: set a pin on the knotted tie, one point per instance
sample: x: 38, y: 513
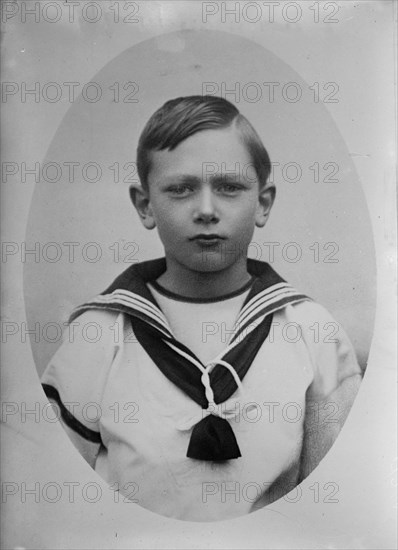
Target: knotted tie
x: 212, y: 436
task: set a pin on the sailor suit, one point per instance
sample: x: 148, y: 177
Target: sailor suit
x: 197, y: 440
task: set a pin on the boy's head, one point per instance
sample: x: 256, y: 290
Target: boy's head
x: 182, y: 117
x: 203, y: 172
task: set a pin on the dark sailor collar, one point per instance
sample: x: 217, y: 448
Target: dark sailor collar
x: 130, y: 294
x: 208, y: 385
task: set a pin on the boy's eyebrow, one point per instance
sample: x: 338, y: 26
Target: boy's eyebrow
x: 226, y: 178
x: 212, y: 178
x: 182, y: 178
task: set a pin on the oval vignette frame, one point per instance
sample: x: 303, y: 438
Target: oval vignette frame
x: 105, y: 134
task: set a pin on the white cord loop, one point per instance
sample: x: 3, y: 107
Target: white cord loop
x: 221, y: 410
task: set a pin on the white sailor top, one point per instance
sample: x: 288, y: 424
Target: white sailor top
x: 196, y: 441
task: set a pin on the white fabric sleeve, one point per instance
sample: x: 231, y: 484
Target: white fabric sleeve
x: 336, y: 380
x: 75, y: 378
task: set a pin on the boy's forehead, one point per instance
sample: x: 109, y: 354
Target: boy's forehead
x: 218, y: 149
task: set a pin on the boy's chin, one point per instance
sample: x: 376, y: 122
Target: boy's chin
x: 212, y: 263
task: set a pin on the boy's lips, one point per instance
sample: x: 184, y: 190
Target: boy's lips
x: 207, y: 238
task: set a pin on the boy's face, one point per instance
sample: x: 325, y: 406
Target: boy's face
x: 205, y: 200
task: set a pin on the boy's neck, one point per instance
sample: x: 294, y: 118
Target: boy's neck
x: 198, y: 284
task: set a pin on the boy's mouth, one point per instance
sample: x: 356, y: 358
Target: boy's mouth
x: 207, y: 238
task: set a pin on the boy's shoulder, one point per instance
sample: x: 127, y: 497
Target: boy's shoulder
x: 307, y: 313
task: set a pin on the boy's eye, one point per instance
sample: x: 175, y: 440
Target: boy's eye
x: 183, y: 189
x: 179, y: 189
x: 230, y: 188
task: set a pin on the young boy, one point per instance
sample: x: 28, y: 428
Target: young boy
x: 195, y: 401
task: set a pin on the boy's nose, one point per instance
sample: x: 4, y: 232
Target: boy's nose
x: 205, y: 208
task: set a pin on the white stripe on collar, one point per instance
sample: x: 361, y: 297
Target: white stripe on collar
x: 267, y: 301
x: 130, y: 301
x: 262, y: 298
x: 255, y: 306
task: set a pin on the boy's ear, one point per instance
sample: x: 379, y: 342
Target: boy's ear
x: 140, y: 198
x: 265, y: 201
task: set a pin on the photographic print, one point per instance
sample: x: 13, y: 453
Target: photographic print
x: 198, y: 267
